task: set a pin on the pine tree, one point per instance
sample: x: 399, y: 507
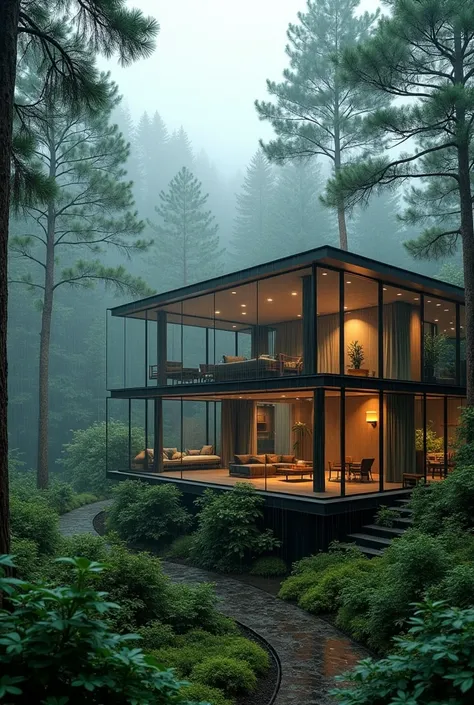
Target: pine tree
x: 423, y: 54
x: 313, y: 113
x: 91, y: 211
x: 252, y: 228
x: 187, y: 244
x: 298, y: 220
x: 180, y: 151
x: 34, y: 27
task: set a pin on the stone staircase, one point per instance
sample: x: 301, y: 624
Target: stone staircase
x: 373, y: 539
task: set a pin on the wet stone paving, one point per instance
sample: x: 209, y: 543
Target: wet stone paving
x: 310, y: 650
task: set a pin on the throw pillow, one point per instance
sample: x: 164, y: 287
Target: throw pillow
x: 241, y: 459
x: 272, y: 458
x: 257, y: 459
x: 288, y: 458
x: 177, y: 456
x: 207, y: 450
x: 193, y: 452
x: 233, y: 358
x: 140, y: 458
x: 170, y: 452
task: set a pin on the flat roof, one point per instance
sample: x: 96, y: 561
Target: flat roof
x: 326, y: 255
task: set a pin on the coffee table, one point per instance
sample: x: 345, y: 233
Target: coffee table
x: 295, y: 471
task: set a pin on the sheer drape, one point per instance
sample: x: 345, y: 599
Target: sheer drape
x: 289, y: 338
x: 282, y: 429
x: 239, y: 428
x: 396, y: 340
x: 399, y: 440
x: 328, y: 343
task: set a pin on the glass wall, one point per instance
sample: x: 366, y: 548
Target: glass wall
x: 332, y: 442
x: 439, y: 338
x: 328, y: 321
x: 361, y: 326
x: 401, y: 334
x: 462, y: 346
x: 115, y: 362
x: 362, y: 424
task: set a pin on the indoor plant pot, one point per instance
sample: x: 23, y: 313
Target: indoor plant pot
x: 357, y: 372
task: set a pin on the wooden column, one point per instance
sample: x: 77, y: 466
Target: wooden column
x: 158, y: 443
x: 319, y: 460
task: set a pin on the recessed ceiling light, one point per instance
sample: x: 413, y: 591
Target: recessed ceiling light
x: 446, y: 310
x: 452, y: 328
x: 294, y: 293
x: 217, y: 312
x: 244, y: 313
x: 269, y: 300
x: 451, y: 323
x: 438, y: 304
x: 283, y: 396
x: 243, y: 305
x: 385, y: 288
x: 299, y: 315
x: 297, y: 398
x: 416, y: 298
x: 234, y: 326
x: 240, y: 397
x: 399, y: 294
x: 429, y: 301
x: 436, y: 320
x: 233, y: 292
x: 348, y: 282
x: 345, y: 308
x: 325, y: 274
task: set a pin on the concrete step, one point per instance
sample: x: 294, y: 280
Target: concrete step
x: 404, y: 510
x: 370, y: 541
x: 403, y: 523
x: 385, y: 531
x: 371, y: 552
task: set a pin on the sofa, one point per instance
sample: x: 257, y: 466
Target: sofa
x: 266, y: 465
x: 173, y: 459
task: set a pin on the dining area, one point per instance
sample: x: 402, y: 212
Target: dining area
x: 354, y: 470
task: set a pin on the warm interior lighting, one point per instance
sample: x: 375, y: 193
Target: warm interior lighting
x: 438, y: 304
x: 234, y: 326
x: 385, y: 288
x: 446, y: 310
x: 325, y: 274
x: 217, y: 312
x: 244, y: 313
x: 398, y: 294
x: 233, y: 292
x: 294, y: 293
x: 243, y: 305
x: 269, y: 300
x: 436, y: 320
x: 345, y: 308
x: 416, y: 298
x: 372, y: 418
x: 429, y: 301
x: 348, y: 282
x: 299, y: 315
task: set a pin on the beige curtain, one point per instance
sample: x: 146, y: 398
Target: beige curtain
x: 328, y: 343
x: 238, y: 428
x: 289, y: 338
x: 283, y: 429
x: 399, y: 439
x: 396, y: 340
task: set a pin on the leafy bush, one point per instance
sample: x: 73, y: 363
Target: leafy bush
x: 60, y: 496
x: 439, y: 501
x: 84, y: 458
x: 432, y: 666
x: 181, y: 547
x: 457, y: 587
x: 182, y: 659
x: 464, y: 451
x: 228, y: 535
x: 325, y: 594
x: 228, y: 674
x: 55, y: 648
x: 386, y: 516
x: 155, y: 635
x: 36, y: 521
x: 142, y: 512
x: 194, y: 606
x: 269, y: 567
x: 204, y: 693
x: 250, y: 652
x: 27, y: 560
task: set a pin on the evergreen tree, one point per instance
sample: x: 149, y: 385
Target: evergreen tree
x: 423, y: 53
x: 313, y: 113
x: 252, y: 228
x: 34, y: 27
x: 298, y: 220
x: 187, y: 243
x: 180, y: 151
x: 90, y: 212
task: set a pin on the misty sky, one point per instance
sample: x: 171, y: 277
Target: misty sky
x: 211, y: 62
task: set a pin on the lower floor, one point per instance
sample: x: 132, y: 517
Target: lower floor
x: 322, y: 443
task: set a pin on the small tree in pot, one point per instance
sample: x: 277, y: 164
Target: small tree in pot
x: 355, y: 352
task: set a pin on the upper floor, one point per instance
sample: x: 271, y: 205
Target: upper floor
x: 319, y: 312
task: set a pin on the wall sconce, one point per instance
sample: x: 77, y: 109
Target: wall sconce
x: 372, y: 418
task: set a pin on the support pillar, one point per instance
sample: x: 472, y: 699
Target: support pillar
x: 158, y: 443
x: 161, y: 347
x: 319, y: 461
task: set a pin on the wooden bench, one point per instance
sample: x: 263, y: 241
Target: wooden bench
x: 411, y: 479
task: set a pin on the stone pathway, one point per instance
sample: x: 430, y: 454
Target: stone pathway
x: 311, y: 651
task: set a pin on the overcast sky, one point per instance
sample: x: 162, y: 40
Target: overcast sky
x: 210, y: 64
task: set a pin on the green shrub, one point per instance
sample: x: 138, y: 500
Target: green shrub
x: 269, y: 567
x: 230, y: 675
x: 325, y: 595
x: 88, y: 546
x: 457, y: 588
x: 453, y: 498
x: 386, y: 516
x: 193, y: 606
x: 27, y: 560
x: 84, y: 458
x: 142, y: 512
x: 181, y: 547
x: 181, y: 659
x: 205, y: 694
x: 36, y: 521
x: 55, y: 647
x: 248, y: 651
x: 296, y: 585
x: 464, y: 450
x: 228, y: 535
x: 432, y: 666
x: 155, y: 635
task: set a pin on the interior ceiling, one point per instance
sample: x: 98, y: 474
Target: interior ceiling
x: 279, y: 299
x: 273, y: 397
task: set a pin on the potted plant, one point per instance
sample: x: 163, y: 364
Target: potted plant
x: 301, y: 431
x: 355, y: 351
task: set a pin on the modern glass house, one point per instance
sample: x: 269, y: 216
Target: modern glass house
x: 317, y: 377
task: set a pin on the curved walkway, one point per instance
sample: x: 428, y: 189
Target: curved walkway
x: 311, y: 651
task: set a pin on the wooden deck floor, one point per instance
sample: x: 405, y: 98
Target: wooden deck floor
x: 280, y: 485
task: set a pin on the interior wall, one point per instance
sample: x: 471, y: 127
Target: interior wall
x: 303, y: 411
x: 362, y: 440
x: 362, y: 325
x: 332, y: 438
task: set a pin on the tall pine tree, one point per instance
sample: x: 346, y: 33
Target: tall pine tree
x: 252, y: 228
x: 187, y: 243
x: 313, y: 112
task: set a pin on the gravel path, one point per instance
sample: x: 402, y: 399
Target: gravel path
x: 311, y: 651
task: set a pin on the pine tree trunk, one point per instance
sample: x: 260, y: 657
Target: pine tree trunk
x: 341, y: 211
x: 9, y: 15
x: 46, y: 316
